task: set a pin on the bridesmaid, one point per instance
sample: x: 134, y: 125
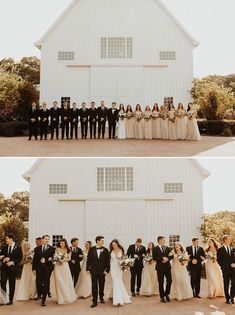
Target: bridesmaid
x: 129, y: 123
x: 181, y: 287
x: 27, y: 284
x: 121, y: 122
x: 147, y: 124
x: 213, y: 271
x: 192, y: 126
x: 83, y: 287
x: 149, y: 283
x: 63, y: 279
x: 172, y: 123
x: 181, y: 122
x: 156, y: 128
x: 164, y: 123
x: 138, y: 127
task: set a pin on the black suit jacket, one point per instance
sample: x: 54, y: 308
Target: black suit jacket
x: 55, y: 115
x: 48, y: 255
x: 75, y: 256
x: 93, y: 115
x: 98, y: 265
x: 200, y: 252
x: 16, y: 256
x: 33, y: 114
x: 65, y: 113
x: 74, y: 115
x: 224, y: 259
x: 158, y: 256
x: 102, y: 113
x: 131, y: 252
x: 44, y: 115
x: 84, y: 114
x: 112, y: 115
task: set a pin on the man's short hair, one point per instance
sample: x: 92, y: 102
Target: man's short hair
x: 44, y: 236
x: 98, y: 238
x: 160, y: 238
x: 139, y: 240
x: 74, y: 239
x: 38, y: 238
x: 11, y: 236
x: 195, y: 239
x: 225, y: 237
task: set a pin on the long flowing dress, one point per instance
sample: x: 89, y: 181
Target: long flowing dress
x: 149, y: 283
x: 214, y: 277
x: 192, y: 127
x: 147, y: 125
x: 63, y: 282
x: 118, y: 291
x: 122, y: 125
x: 27, y: 284
x: 156, y: 125
x: 83, y: 286
x: 181, y: 288
x: 164, y: 126
x: 130, y: 133
x: 181, y: 122
x: 138, y: 126
x: 3, y: 299
x: 172, y: 125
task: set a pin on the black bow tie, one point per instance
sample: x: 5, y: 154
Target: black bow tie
x: 99, y: 248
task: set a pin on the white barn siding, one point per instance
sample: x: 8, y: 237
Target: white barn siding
x: 146, y: 212
x: 123, y: 80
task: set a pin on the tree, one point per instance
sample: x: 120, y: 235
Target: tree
x: 218, y: 224
x: 15, y: 226
x: 28, y: 69
x: 16, y: 205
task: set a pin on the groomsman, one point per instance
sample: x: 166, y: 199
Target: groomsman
x: 33, y: 121
x: 196, y: 256
x: 84, y: 114
x: 102, y: 113
x: 65, y: 118
x: 55, y: 119
x: 76, y: 258
x: 138, y: 252
x: 93, y: 120
x: 74, y: 113
x: 112, y: 120
x: 42, y: 264
x: 98, y: 265
x: 44, y: 114
x: 161, y: 254
x: 12, y: 257
x: 226, y: 260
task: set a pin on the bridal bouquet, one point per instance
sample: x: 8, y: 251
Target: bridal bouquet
x: 180, y: 113
x: 138, y: 116
x: 122, y: 116
x: 163, y: 115
x: 183, y: 258
x: 148, y: 258
x: 211, y: 256
x: 129, y: 115
x: 29, y: 256
x: 126, y: 263
x: 191, y: 115
x: 58, y: 258
x: 172, y: 118
x: 147, y: 115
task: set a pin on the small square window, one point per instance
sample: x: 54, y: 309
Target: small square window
x: 56, y: 239
x: 173, y: 239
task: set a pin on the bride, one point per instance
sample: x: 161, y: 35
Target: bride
x: 63, y: 279
x: 121, y: 122
x: 118, y: 291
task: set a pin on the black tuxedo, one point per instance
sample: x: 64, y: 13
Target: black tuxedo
x: 163, y: 269
x: 74, y: 113
x: 33, y: 125
x: 10, y: 273
x: 55, y: 119
x: 84, y: 114
x: 225, y: 260
x: 43, y: 271
x: 112, y: 119
x: 195, y: 270
x: 93, y: 121
x: 75, y: 268
x: 136, y: 270
x: 44, y: 120
x: 65, y: 118
x: 102, y: 118
x: 97, y: 266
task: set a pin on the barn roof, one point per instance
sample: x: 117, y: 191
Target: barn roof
x: 39, y: 43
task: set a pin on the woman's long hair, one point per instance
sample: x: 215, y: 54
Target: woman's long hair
x: 148, y: 249
x: 215, y: 245
x: 155, y: 106
x: 118, y: 244
x: 66, y: 244
x: 122, y: 107
x: 181, y: 247
x: 129, y: 107
x: 138, y: 107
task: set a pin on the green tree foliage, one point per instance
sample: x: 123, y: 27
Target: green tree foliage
x: 16, y: 205
x: 14, y: 225
x: 218, y: 224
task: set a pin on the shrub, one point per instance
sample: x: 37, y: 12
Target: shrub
x: 217, y: 127
x: 13, y: 128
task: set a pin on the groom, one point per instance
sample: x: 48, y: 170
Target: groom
x: 98, y: 265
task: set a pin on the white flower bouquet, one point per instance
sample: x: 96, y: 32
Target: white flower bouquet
x: 148, y: 258
x: 147, y: 115
x: 183, y: 258
x: 172, y: 118
x: 138, y: 116
x: 122, y: 116
x: 155, y: 115
x: 163, y: 115
x: 126, y: 263
x: 180, y: 113
x: 212, y: 256
x: 58, y: 258
x: 29, y: 256
x: 129, y: 115
x: 191, y: 115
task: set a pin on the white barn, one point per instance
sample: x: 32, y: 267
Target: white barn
x: 117, y: 198
x: 129, y: 51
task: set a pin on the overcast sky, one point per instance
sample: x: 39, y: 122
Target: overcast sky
x: 211, y: 22
x: 219, y: 188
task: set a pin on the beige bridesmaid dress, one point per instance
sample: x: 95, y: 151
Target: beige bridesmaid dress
x: 172, y: 125
x: 147, y: 125
x: 164, y: 125
x: 214, y: 277
x: 138, y: 126
x: 83, y: 287
x: 181, y: 122
x: 193, y: 133
x: 156, y: 125
x: 130, y: 120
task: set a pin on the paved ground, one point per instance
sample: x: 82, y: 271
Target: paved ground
x: 209, y: 146
x: 140, y: 306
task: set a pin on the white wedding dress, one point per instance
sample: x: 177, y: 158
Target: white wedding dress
x: 118, y: 291
x: 122, y: 127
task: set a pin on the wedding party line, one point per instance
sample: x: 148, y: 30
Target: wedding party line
x: 172, y: 273
x: 166, y: 123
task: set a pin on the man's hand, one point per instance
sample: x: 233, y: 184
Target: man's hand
x: 233, y: 265
x: 105, y: 273
x: 194, y: 261
x: 43, y: 260
x: 6, y: 259
x: 88, y: 272
x: 73, y: 261
x: 10, y: 263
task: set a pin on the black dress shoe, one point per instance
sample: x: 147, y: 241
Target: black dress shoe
x: 198, y: 296
x: 163, y: 301
x: 9, y: 303
x: 138, y: 293
x: 43, y: 303
x: 38, y: 298
x: 49, y: 294
x: 102, y: 301
x: 1, y: 304
x: 133, y: 294
x: 228, y: 302
x: 168, y: 299
x: 93, y: 304
x: 232, y: 301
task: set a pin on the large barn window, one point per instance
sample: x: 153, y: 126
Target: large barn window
x: 173, y: 239
x: 65, y: 99
x: 115, y: 179
x: 116, y: 47
x: 168, y: 100
x: 173, y: 188
x: 66, y: 55
x: 58, y: 189
x: 167, y: 55
x: 56, y: 239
